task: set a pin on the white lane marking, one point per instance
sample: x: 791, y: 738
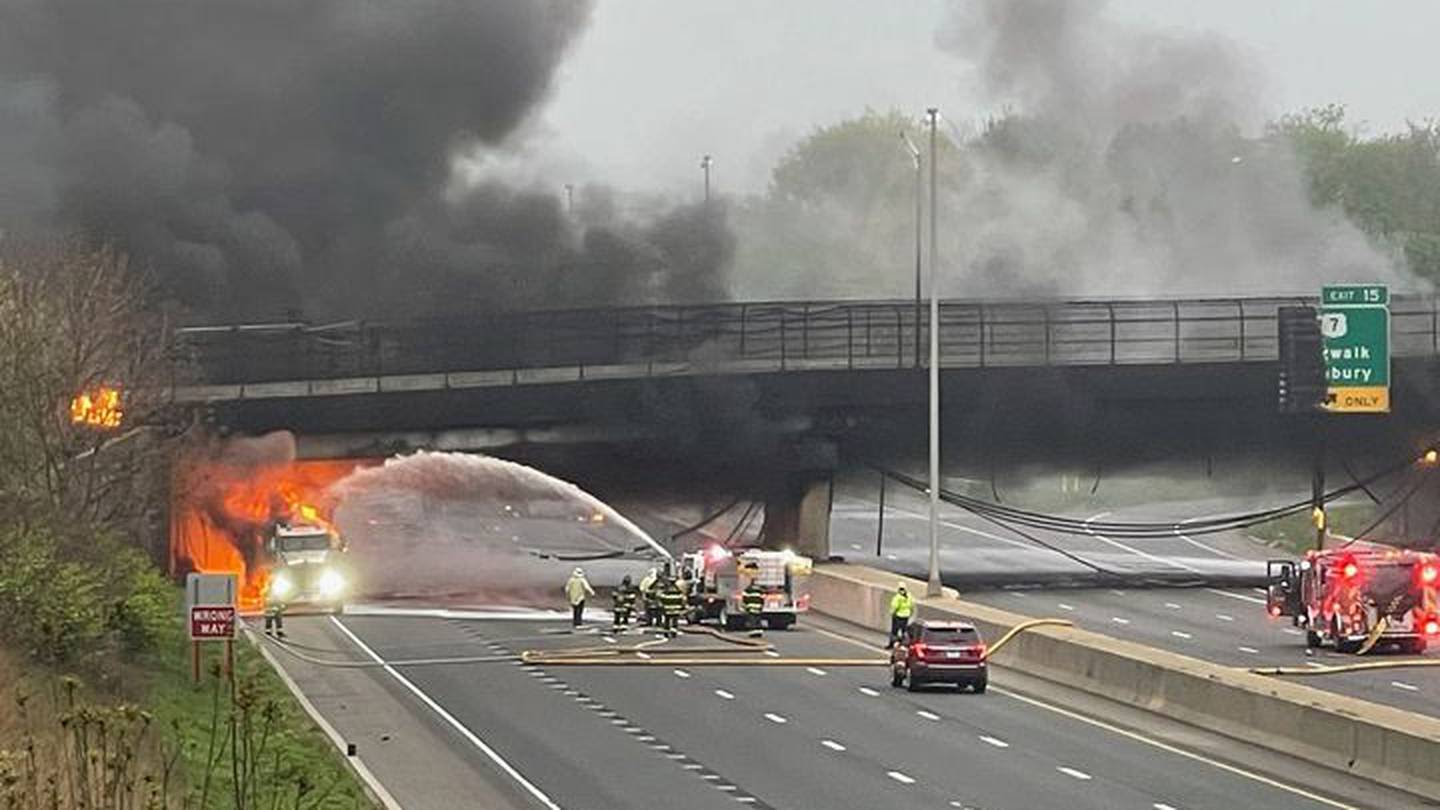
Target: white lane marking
x: 1172, y: 606
x: 1406, y: 686
x: 1119, y: 620
x: 995, y: 741
x: 865, y: 690
x: 900, y: 777
x: 1064, y: 606
x: 1250, y: 650
x: 1130, y: 735
x: 609, y: 639
x: 832, y: 745
x: 1020, y: 594
x: 928, y: 715
x: 1315, y: 664
x: 644, y: 655
x: 1224, y: 618
x: 775, y: 718
x: 1242, y: 597
x: 722, y: 693
x: 1181, y: 634
x: 1292, y: 631
x: 1081, y: 775
x: 746, y: 799
x: 773, y: 653
x: 1117, y: 544
x: 891, y: 557
x: 977, y: 532
x: 1162, y: 806
x: 855, y: 546
x: 1117, y: 592
x: 680, y: 673
x: 1196, y: 543
x: 645, y: 738
x: 726, y: 787
x: 449, y: 718
x: 711, y: 777
x: 815, y: 671
x: 692, y: 766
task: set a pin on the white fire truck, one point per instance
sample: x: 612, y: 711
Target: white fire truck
x: 721, y: 577
x: 1344, y: 596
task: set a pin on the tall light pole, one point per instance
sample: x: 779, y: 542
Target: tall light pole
x: 705, y: 165
x: 919, y: 217
x: 569, y: 198
x: 933, y: 587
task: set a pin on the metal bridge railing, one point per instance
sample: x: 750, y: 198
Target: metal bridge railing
x: 775, y: 336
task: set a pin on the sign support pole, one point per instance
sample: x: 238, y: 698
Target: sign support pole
x: 880, y: 524
x: 195, y: 661
x: 1317, y: 486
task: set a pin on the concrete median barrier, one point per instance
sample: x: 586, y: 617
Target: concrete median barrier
x: 1385, y: 744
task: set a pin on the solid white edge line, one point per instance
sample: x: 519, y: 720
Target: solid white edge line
x: 1136, y: 736
x: 439, y: 710
x: 370, y: 780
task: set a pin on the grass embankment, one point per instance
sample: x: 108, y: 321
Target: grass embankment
x: 150, y: 737
x: 1296, y: 534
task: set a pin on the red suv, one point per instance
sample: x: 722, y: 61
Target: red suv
x: 939, y: 652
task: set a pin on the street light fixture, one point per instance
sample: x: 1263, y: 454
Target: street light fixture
x: 919, y: 205
x: 933, y: 586
x: 705, y: 165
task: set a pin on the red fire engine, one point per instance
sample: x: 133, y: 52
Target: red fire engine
x: 1346, y: 596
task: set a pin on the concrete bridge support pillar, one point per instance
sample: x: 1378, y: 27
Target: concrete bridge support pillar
x: 797, y: 508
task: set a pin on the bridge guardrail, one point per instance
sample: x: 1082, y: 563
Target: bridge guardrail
x: 776, y: 336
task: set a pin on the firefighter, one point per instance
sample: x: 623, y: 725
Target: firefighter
x: 902, y: 607
x: 753, y: 600
x: 672, y: 604
x: 577, y: 588
x: 274, y: 611
x: 648, y: 594
x: 624, y: 604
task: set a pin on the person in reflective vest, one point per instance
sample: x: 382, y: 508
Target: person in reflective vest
x: 650, y: 597
x: 624, y: 603
x: 672, y: 604
x: 752, y: 599
x: 902, y: 607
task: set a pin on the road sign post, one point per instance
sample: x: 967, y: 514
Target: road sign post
x: 1355, y: 325
x: 210, y: 611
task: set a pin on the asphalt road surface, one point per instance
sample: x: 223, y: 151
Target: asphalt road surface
x: 1224, y: 625
x: 506, y: 734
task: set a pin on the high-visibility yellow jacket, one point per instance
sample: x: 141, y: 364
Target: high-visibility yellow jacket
x: 577, y: 588
x: 902, y: 606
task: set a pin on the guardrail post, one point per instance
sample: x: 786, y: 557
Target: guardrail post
x: 743, y: 311
x: 1176, y: 309
x: 782, y: 337
x: 805, y: 332
x: 981, y: 309
x: 1045, y: 321
x: 850, y: 337
x: 1111, y: 309
x: 1240, y: 307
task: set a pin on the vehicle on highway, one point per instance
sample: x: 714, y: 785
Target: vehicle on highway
x: 307, y: 568
x: 722, y: 576
x: 939, y: 652
x: 1345, y: 596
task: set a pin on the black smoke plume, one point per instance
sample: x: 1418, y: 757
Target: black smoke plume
x: 268, y: 155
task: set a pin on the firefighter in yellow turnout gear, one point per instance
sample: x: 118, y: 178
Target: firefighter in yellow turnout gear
x: 752, y: 599
x: 624, y: 597
x: 672, y: 605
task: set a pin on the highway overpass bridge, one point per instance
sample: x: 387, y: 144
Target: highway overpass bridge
x: 783, y: 381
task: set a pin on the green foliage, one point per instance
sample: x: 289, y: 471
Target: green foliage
x: 1389, y: 185
x: 64, y: 606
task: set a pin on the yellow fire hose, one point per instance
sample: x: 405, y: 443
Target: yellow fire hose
x: 1375, y: 633
x: 1371, y: 640
x: 626, y: 656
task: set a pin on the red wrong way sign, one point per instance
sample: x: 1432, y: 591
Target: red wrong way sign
x: 208, y: 622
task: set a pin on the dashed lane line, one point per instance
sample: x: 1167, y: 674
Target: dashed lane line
x: 1250, y: 650
x: 928, y: 715
x: 775, y: 718
x: 1242, y: 597
x: 832, y: 745
x: 1118, y: 620
x: 815, y: 671
x: 1172, y: 606
x: 1134, y: 736
x: 1408, y: 687
x: 1181, y: 634
x: 680, y: 673
x: 900, y: 777
x: 1224, y: 617
x: 995, y: 741
x: 1071, y: 772
x: 868, y: 692
x: 723, y: 694
x: 1064, y: 606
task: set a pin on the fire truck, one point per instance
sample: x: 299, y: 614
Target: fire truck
x: 721, y: 576
x: 1344, y: 596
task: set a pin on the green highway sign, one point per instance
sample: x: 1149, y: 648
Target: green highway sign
x: 1355, y: 325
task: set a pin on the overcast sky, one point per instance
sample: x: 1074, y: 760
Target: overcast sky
x: 654, y: 84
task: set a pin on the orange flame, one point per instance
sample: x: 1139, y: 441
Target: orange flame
x: 98, y: 408
x: 222, y: 515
